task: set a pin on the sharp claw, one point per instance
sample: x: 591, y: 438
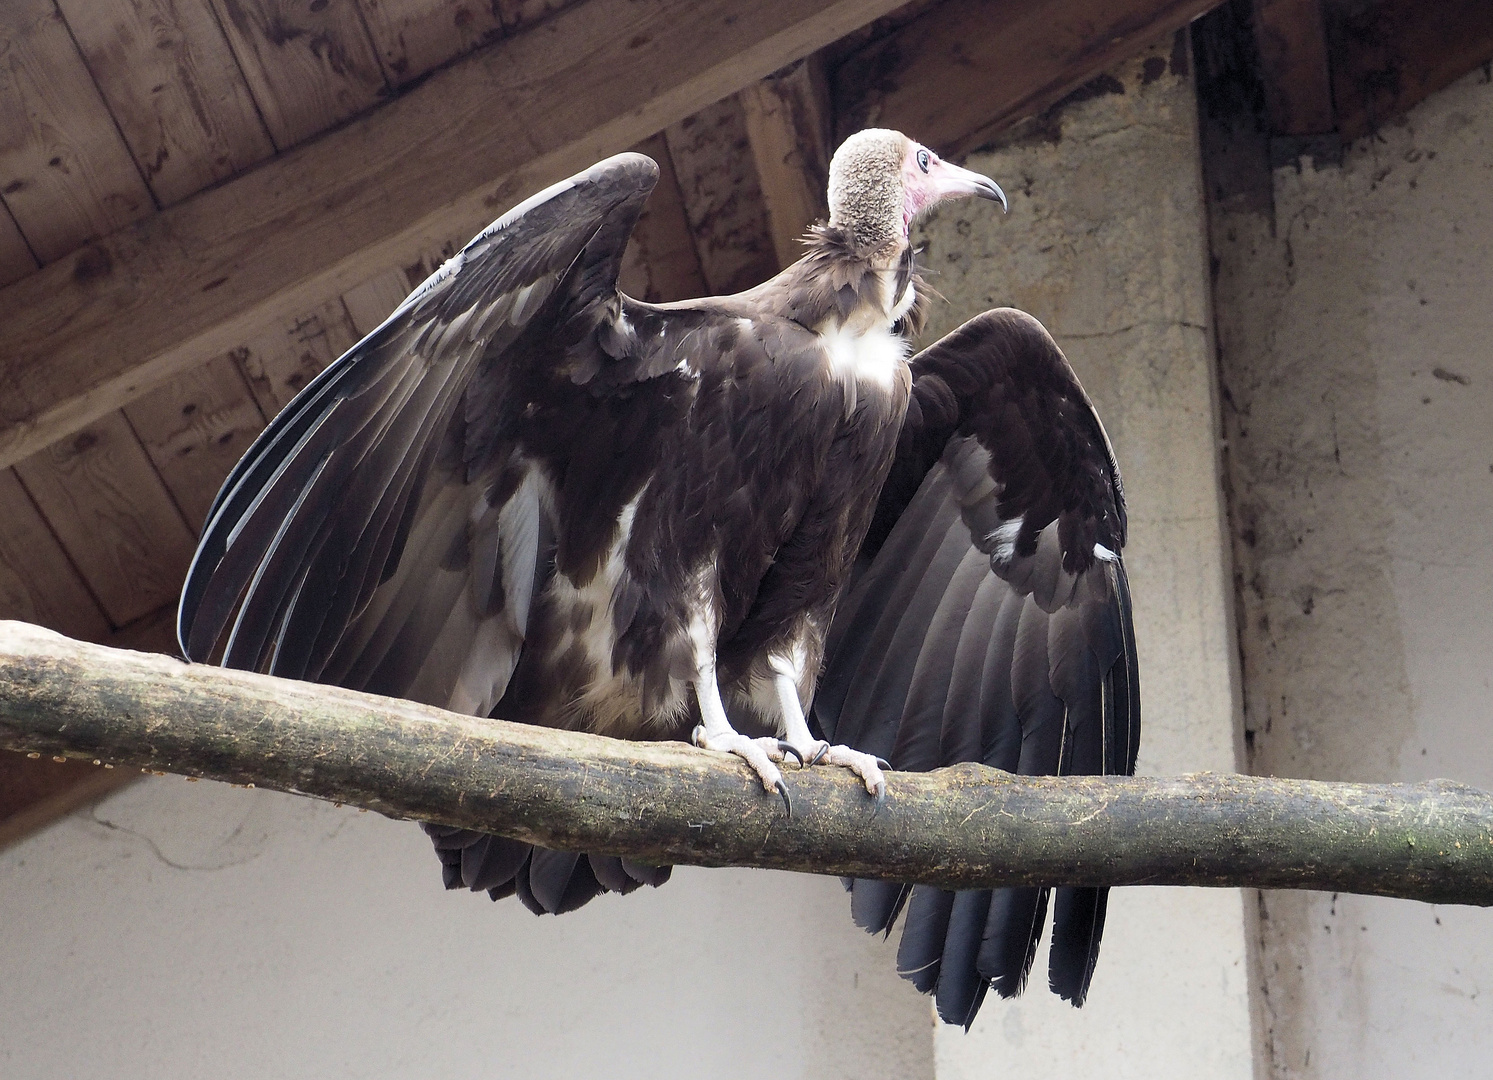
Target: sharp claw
x: 782, y: 790
x: 880, y: 794
x: 823, y: 750
x: 788, y: 748
x: 883, y: 764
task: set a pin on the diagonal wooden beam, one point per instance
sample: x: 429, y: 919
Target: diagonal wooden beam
x: 1387, y: 57
x: 968, y: 69
x: 1292, y: 38
x: 788, y: 125
x: 98, y: 328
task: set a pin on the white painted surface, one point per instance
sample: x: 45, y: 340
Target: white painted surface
x: 1105, y: 244
x: 1364, y: 501
x: 195, y: 930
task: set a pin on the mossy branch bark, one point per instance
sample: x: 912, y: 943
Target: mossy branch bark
x: 666, y: 802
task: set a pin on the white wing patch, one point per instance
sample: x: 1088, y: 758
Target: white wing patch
x: 1003, y: 539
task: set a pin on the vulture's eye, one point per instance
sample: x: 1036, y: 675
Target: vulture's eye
x: 923, y: 160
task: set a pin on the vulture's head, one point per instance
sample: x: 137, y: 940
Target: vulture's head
x: 880, y: 181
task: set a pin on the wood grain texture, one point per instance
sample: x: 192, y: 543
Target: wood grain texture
x: 36, y: 790
x: 660, y: 263
x: 113, y: 516
x: 1292, y: 39
x: 788, y: 125
x: 83, y: 338
x: 413, y: 37
x: 370, y: 303
x: 308, y: 63
x: 16, y: 260
x: 280, y: 360
x: 965, y: 70
x: 171, y: 83
x: 65, y: 173
x: 195, y: 428
x: 1396, y: 53
x: 722, y: 197
x: 38, y: 583
x: 669, y: 803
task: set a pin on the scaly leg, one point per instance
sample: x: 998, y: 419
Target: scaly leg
x: 813, y: 751
x: 716, y: 733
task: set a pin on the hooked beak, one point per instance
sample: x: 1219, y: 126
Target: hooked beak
x: 950, y: 181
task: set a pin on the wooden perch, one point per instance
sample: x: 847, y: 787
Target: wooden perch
x: 667, y: 802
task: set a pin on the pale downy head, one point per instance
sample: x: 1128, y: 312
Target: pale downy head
x: 880, y: 181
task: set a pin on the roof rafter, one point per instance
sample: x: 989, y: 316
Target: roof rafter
x: 98, y: 328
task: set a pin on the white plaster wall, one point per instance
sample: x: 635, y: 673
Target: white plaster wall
x: 1356, y: 350
x: 195, y: 930
x: 1105, y: 243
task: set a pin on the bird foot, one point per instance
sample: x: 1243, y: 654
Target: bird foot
x: 758, y: 753
x: 867, y: 766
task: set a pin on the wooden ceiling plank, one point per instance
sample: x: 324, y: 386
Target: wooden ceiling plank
x: 371, y: 302
x: 16, y: 260
x: 660, y: 263
x: 1292, y: 39
x: 414, y: 37
x: 113, y: 516
x: 195, y: 428
x: 968, y: 69
x: 81, y: 339
x: 171, y: 82
x: 65, y: 173
x: 722, y: 196
x: 1396, y: 53
x: 281, y: 359
x: 309, y: 66
x: 519, y: 13
x: 788, y: 125
x: 37, y: 581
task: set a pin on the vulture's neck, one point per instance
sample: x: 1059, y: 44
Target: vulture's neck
x: 840, y: 285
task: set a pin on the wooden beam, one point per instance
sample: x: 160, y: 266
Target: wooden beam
x: 788, y: 125
x: 966, y: 70
x: 99, y: 328
x: 722, y: 197
x: 1394, y: 54
x: 660, y: 263
x: 1292, y: 39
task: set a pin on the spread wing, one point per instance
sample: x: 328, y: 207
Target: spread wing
x: 385, y: 531
x: 990, y: 622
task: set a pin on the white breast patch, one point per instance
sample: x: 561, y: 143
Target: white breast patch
x: 870, y: 356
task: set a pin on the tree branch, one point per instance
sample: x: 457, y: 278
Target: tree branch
x: 665, y: 802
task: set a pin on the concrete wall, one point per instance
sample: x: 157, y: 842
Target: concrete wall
x: 195, y: 930
x: 1105, y: 243
x: 1356, y: 347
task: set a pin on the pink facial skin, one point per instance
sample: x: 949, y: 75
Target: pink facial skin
x: 922, y: 188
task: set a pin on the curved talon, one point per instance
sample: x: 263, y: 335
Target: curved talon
x: 788, y: 748
x: 823, y: 751
x: 782, y: 790
x: 880, y: 795
x: 883, y: 764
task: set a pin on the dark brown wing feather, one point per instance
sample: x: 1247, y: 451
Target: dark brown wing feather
x: 985, y: 625
x: 383, y: 533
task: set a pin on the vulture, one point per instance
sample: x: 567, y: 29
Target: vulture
x: 753, y: 521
